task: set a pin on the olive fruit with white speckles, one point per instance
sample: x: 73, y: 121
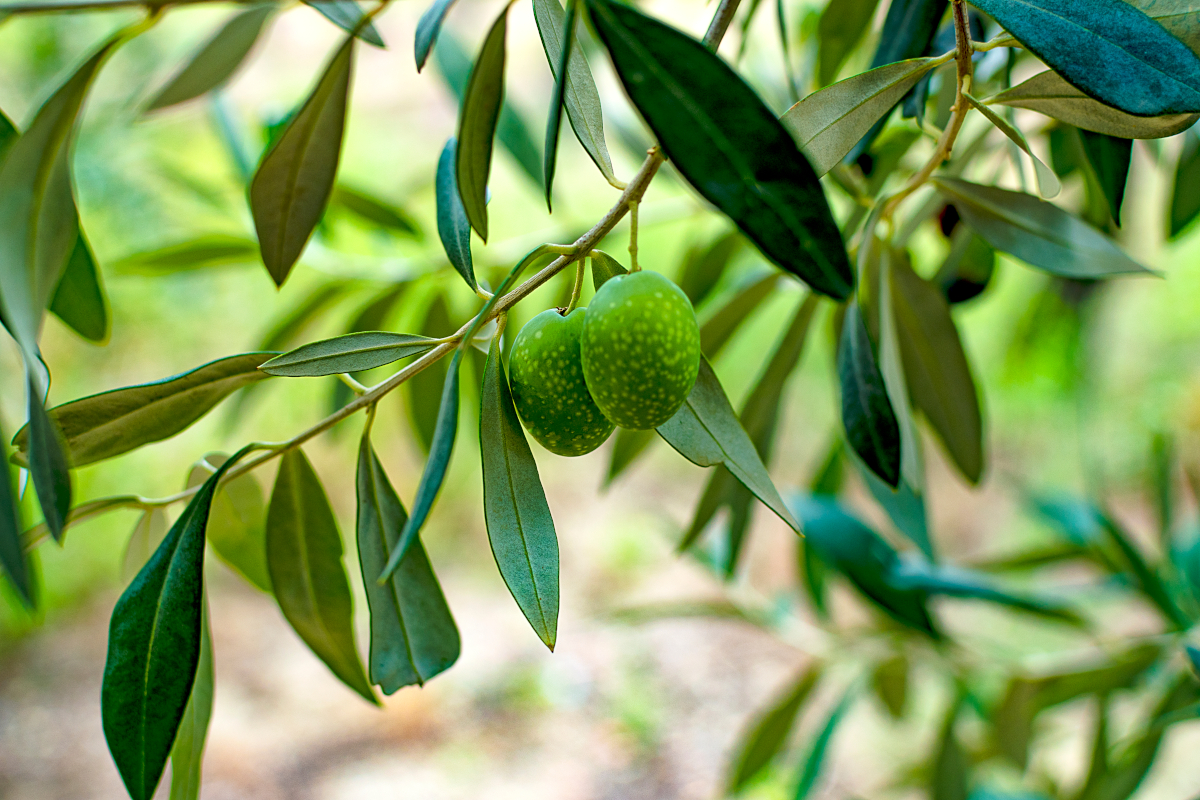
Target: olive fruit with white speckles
x: 546, y: 376
x: 641, y: 349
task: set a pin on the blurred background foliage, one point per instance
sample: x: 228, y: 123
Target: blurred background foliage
x: 1090, y: 392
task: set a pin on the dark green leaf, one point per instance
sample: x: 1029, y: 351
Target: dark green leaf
x: 604, y: 267
x: 293, y: 182
x: 35, y: 195
x: 425, y: 388
x: 718, y: 328
x: 870, y: 423
x: 936, y: 371
x: 413, y: 635
x: 375, y: 211
x: 111, y: 423
x: 207, y: 251
x: 477, y: 124
x: 704, y: 265
x: 580, y: 96
x: 627, y: 446
x: 1185, y: 197
x: 814, y: 762
x: 154, y: 644
x: 1148, y: 580
x: 842, y: 25
x: 79, y: 299
x: 237, y: 522
x: 889, y: 679
x: 12, y: 554
x: 216, y: 61
x: 187, y: 754
x: 812, y: 571
x: 957, y: 582
x: 348, y: 16
x: 351, y: 352
x: 1049, y: 93
x: 1037, y: 232
x: 706, y: 432
x: 428, y: 28
x: 454, y: 229
x: 828, y: 124
x: 1107, y: 48
x: 48, y: 464
x: 1109, y: 157
x: 559, y: 63
x: 951, y: 769
x: 8, y: 132
x: 1162, y: 484
x: 727, y: 144
x: 968, y: 267
x: 519, y: 525
x: 304, y: 555
x: 760, y: 743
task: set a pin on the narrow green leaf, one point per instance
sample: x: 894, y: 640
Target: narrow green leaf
x: 216, y: 61
x: 477, y: 124
x: 148, y: 533
x: 1037, y: 232
x: 581, y: 97
x: 814, y: 762
x: 1185, y: 196
x: 35, y: 195
x: 289, y: 327
x: 728, y: 145
x: 12, y: 554
x: 717, y: 329
x: 154, y: 643
x: 760, y: 743
x: 1049, y: 93
x: 951, y: 769
x: 428, y: 28
x: 937, y: 374
x: 889, y: 679
x: 1048, y: 184
x: 237, y: 522
x: 348, y: 15
x: 413, y: 635
x: 1109, y: 157
x: 454, y: 229
x: 1108, y: 49
x: 1148, y: 580
x: 377, y: 212
x: 48, y: 464
x: 79, y: 299
x: 1162, y: 468
x: 904, y: 507
x: 704, y: 265
x: 842, y: 25
x: 604, y: 267
x: 828, y: 124
x: 957, y: 582
x: 424, y: 390
x: 559, y: 63
x: 891, y: 367
x: 520, y: 528
x: 207, y: 251
x: 304, y: 556
x: 870, y: 423
x: 111, y: 423
x: 706, y: 432
x: 293, y: 182
x: 187, y: 755
x: 351, y: 352
x: 627, y: 446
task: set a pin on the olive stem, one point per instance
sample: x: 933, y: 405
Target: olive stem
x: 633, y: 234
x: 577, y: 290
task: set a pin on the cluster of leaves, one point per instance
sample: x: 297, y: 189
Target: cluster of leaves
x: 1116, y: 71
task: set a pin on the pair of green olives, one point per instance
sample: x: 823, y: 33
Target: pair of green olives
x: 629, y: 359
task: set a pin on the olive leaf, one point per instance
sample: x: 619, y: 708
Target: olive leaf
x: 1049, y: 93
x: 187, y: 754
x: 727, y: 144
x: 349, y: 16
x: 13, y: 559
x: 154, y: 643
x: 760, y: 743
x: 604, y: 267
x: 111, y: 423
x: 814, y: 762
x: 236, y: 522
x: 147, y: 535
x: 216, y: 61
x: 1109, y: 158
x: 304, y: 557
x: 454, y: 229
x: 424, y: 390
x: 704, y: 264
x: 1109, y: 49
x: 1048, y: 185
x: 374, y: 211
x: 867, y: 414
x: 79, y: 299
x: 477, y: 124
x: 48, y: 463
x: 829, y: 123
x: 206, y: 251
x: 842, y: 25
x: 413, y: 635
x: 351, y: 352
x: 725, y: 321
x: 560, y: 62
x: 904, y: 507
x: 292, y: 184
x: 520, y: 528
x: 1037, y: 232
x: 1185, y: 195
x: 428, y: 28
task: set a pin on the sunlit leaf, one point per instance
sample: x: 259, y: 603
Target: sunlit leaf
x: 372, y: 210
x: 187, y: 754
x: 111, y: 423
x: 1048, y: 184
x: 454, y: 229
x: 237, y: 522
x: 728, y: 145
x: 477, y: 124
x: 1107, y: 48
x: 304, y: 556
x: 519, y: 525
x: 760, y: 743
x: 147, y: 535
x: 216, y: 61
x: 293, y: 182
x: 889, y: 679
x: 351, y: 352
x: 348, y: 15
x: 79, y: 299
x: 206, y: 251
x: 604, y: 267
x: 413, y: 635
